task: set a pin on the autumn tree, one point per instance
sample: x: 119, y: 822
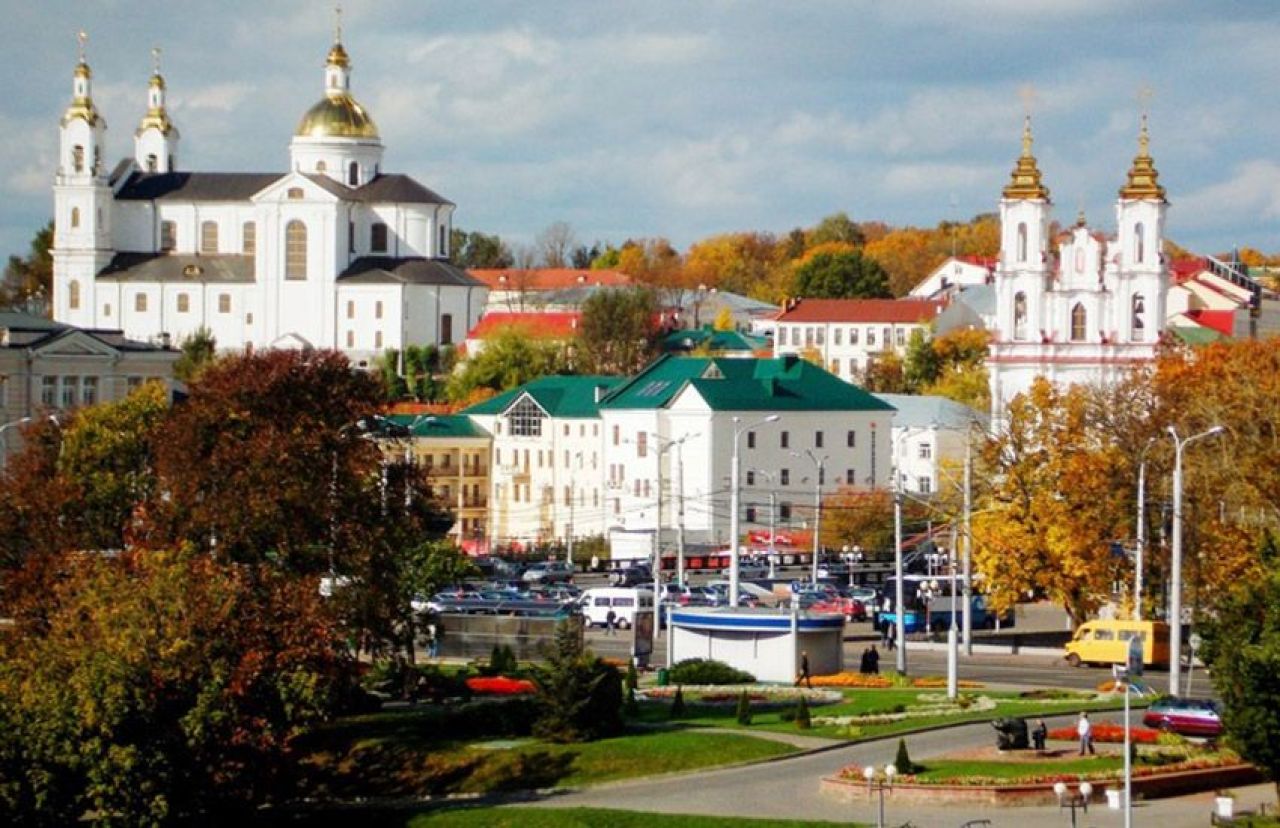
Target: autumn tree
x: 28, y: 281
x: 839, y: 274
x: 736, y: 262
x: 509, y: 358
x: 837, y: 227
x: 198, y: 349
x: 884, y: 374
x: 555, y: 244
x: 619, y: 332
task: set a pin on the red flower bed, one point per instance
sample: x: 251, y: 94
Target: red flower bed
x: 500, y: 686
x: 1108, y: 732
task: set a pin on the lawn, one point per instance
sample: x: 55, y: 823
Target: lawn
x: 590, y: 818
x: 944, y: 770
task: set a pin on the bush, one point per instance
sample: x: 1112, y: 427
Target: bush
x: 707, y: 671
x: 631, y: 707
x: 633, y: 679
x: 490, y: 718
x: 903, y: 760
x: 744, y: 709
x: 677, y: 704
x: 580, y: 696
x: 502, y: 662
x: 803, y: 720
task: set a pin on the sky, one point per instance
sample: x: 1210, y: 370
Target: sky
x: 687, y: 118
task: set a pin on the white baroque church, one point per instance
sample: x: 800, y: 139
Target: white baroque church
x: 334, y: 253
x: 1090, y: 311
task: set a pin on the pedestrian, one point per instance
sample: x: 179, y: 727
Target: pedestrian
x: 595, y: 563
x: 1039, y: 734
x: 1085, y: 730
x: 864, y: 666
x: 873, y: 661
x: 610, y: 619
x: 433, y: 640
x: 804, y: 670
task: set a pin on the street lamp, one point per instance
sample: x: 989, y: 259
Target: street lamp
x: 820, y: 464
x: 1175, y: 587
x: 734, y: 485
x: 773, y: 519
x: 1068, y: 799
x: 1141, y: 533
x: 4, y: 446
x: 879, y: 784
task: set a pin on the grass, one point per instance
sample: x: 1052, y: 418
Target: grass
x: 590, y: 818
x: 943, y: 770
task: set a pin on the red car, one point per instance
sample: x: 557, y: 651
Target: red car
x: 1188, y: 717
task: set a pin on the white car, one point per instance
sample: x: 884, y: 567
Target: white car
x: 549, y: 572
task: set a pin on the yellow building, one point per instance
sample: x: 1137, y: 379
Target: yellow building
x: 455, y: 452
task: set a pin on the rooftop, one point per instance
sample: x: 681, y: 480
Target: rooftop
x: 559, y: 396
x: 915, y: 411
x: 439, y: 426
x: 548, y: 278
x: 900, y: 311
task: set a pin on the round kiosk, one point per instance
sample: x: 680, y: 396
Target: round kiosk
x: 766, y: 642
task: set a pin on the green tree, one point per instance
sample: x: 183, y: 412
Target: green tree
x: 744, y: 709
x: 843, y: 274
x: 510, y: 357
x: 885, y: 375
x: 479, y: 250
x: 837, y: 227
x: 618, y: 333
x: 579, y: 695
x: 28, y: 282
x: 198, y: 350
x: 922, y: 366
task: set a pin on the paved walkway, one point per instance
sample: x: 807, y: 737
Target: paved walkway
x: 789, y: 789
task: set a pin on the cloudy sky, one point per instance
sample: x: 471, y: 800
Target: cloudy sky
x: 684, y: 118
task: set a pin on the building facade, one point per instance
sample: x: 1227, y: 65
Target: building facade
x: 334, y: 253
x: 456, y: 455
x: 1089, y: 310
x: 847, y: 335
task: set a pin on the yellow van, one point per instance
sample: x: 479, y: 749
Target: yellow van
x: 1107, y: 642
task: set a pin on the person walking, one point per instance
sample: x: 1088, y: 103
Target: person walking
x: 864, y: 666
x: 610, y: 622
x: 433, y: 640
x: 1084, y: 729
x: 1038, y: 734
x: 873, y: 661
x: 804, y: 670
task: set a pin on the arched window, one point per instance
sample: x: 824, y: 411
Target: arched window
x: 1139, y: 243
x: 75, y: 217
x: 152, y: 163
x: 77, y: 158
x: 353, y: 174
x: 1020, y: 316
x: 249, y: 238
x: 295, y: 250
x: 321, y: 166
x: 208, y: 237
x: 1022, y: 242
x: 168, y: 235
x: 1078, y: 320
x: 184, y: 303
x: 1139, y: 324
x: 73, y: 295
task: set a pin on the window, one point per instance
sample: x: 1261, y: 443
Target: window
x: 351, y: 339
x: 249, y: 238
x: 751, y: 439
x: 851, y: 439
x: 850, y: 478
x: 1139, y: 243
x: 822, y: 475
x: 152, y: 162
x: 377, y: 339
x: 208, y: 237
x: 835, y: 366
x: 106, y: 309
x: 69, y: 391
x: 900, y: 336
x: 751, y: 478
x: 140, y: 302
x: 168, y: 235
x: 134, y: 383
x: 782, y: 336
x: 808, y: 337
x: 295, y: 250
x: 924, y: 451
x: 1020, y: 316
x: 568, y: 496
x: 351, y: 237
x: 49, y: 392
x: 224, y: 303
x: 1139, y: 318
x: 1022, y: 242
x: 73, y: 295
x: 444, y: 240
x: 184, y: 303
x: 1078, y: 320
x: 378, y: 238
x: 785, y: 439
x: 89, y: 390
x: 321, y: 166
x: 885, y: 339
x: 446, y: 329
x: 248, y: 319
x: 77, y: 158
x: 924, y: 485
x: 377, y: 310
x: 351, y: 309
x: 642, y: 444
x: 1103, y: 635
x: 835, y: 336
x: 526, y: 419
x: 353, y: 174
x: 871, y: 337
x: 817, y: 439
x: 784, y: 477
x: 751, y: 514
x: 784, y: 511
x: 616, y: 435
x: 853, y: 336
x: 75, y: 217
x: 821, y: 336
x: 295, y: 194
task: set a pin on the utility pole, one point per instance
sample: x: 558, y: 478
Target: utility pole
x: 967, y: 632
x: 680, y: 515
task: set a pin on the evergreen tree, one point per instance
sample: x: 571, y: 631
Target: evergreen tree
x: 744, y: 708
x: 677, y: 704
x: 903, y: 760
x: 803, y: 720
x: 580, y: 697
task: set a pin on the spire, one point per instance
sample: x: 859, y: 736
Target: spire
x: 81, y: 95
x: 1026, y: 182
x: 337, y: 54
x: 157, y: 117
x: 1143, y: 183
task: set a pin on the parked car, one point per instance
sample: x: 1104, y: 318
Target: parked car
x: 634, y: 575
x: 1188, y: 717
x: 549, y: 572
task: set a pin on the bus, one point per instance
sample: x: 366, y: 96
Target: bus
x: 934, y: 615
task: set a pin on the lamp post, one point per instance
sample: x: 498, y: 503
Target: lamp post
x: 734, y: 485
x: 879, y: 784
x: 820, y: 465
x: 899, y: 597
x: 1073, y: 800
x: 1175, y: 575
x: 773, y: 519
x: 1142, y: 530
x: 4, y: 446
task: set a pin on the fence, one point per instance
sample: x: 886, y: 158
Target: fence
x: 474, y: 636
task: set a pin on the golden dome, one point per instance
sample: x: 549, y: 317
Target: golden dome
x: 1026, y: 181
x: 337, y: 116
x: 1143, y: 180
x: 338, y: 56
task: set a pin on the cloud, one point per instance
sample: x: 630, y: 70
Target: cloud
x: 218, y: 97
x: 1251, y: 192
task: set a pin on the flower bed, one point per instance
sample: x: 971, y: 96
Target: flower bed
x: 880, y: 681
x: 1109, y: 732
x: 726, y: 695
x: 500, y: 686
x: 1221, y: 760
x: 932, y: 704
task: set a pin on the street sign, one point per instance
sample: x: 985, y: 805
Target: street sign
x: 1196, y: 641
x: 1135, y: 656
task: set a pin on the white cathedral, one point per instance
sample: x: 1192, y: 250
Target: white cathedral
x: 1095, y: 309
x: 334, y: 253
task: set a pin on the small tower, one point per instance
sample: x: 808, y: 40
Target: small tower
x: 82, y: 203
x: 1024, y: 260
x: 155, y: 144
x: 1140, y: 217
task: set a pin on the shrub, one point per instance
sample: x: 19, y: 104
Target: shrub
x: 788, y: 715
x: 630, y: 707
x: 579, y: 695
x: 803, y: 720
x: 707, y: 671
x: 633, y: 679
x: 903, y: 760
x: 491, y: 718
x: 677, y: 704
x: 502, y: 662
x: 744, y: 709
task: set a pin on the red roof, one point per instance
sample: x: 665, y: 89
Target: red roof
x: 980, y: 261
x: 902, y: 311
x: 557, y: 325
x: 1222, y: 321
x: 548, y: 278
x: 1184, y: 269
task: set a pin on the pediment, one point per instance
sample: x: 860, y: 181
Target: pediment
x: 286, y: 189
x: 74, y: 343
